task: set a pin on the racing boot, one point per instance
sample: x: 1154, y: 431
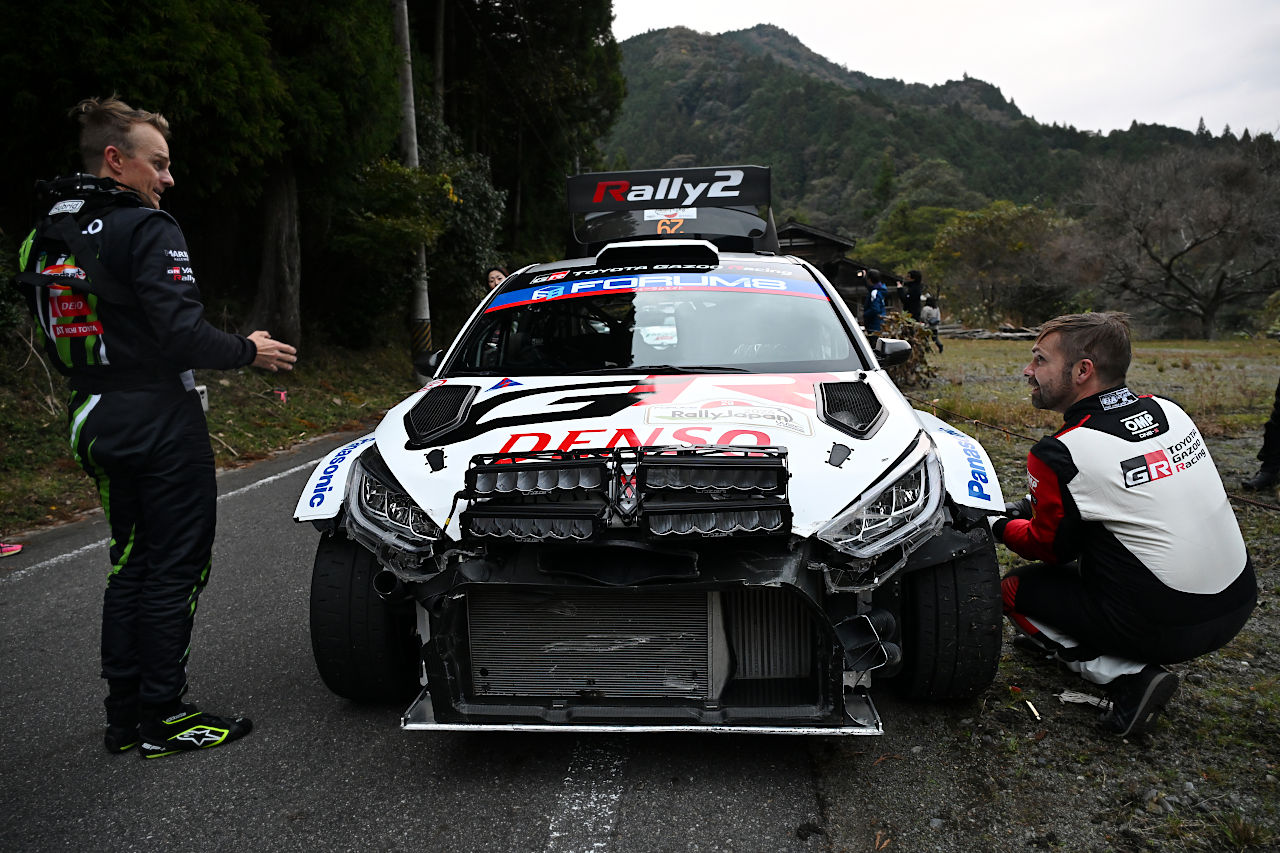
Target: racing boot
x: 1136, y: 700
x: 1266, y: 478
x: 184, y: 727
x: 122, y: 715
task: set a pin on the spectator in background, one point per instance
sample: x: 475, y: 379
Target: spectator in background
x: 931, y: 315
x: 873, y: 309
x: 1269, y: 474
x: 910, y: 292
x: 495, y: 276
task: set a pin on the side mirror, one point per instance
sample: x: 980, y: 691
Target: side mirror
x: 891, y: 351
x: 426, y: 362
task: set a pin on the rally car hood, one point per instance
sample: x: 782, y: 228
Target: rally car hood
x: 829, y: 467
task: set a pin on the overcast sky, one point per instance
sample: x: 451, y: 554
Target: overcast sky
x: 1093, y: 64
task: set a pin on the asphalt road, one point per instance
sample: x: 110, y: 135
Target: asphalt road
x: 319, y: 773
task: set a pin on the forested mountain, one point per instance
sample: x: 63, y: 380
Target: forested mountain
x: 844, y: 146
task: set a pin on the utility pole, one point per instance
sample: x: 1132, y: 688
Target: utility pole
x: 420, y: 304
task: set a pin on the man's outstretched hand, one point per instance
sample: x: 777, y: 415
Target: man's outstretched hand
x: 272, y: 355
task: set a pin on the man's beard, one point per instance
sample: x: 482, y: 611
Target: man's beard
x: 1039, y: 399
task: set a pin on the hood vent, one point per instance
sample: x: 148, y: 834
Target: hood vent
x: 851, y: 407
x: 440, y: 410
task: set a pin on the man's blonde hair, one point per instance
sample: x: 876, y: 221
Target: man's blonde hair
x: 109, y: 121
x: 1102, y: 337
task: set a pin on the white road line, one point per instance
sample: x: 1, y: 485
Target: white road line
x: 295, y: 469
x: 71, y: 555
x: 587, y: 807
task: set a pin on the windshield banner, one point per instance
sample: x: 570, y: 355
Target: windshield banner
x: 549, y: 288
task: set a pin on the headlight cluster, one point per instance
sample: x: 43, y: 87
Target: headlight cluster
x: 383, y: 503
x: 904, y: 512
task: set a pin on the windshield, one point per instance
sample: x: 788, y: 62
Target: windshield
x: 758, y: 320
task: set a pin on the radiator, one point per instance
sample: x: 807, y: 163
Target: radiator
x: 613, y: 645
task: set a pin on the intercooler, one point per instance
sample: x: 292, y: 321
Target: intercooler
x: 634, y: 645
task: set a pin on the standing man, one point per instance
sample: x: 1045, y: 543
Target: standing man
x: 873, y: 309
x: 110, y: 284
x: 1141, y: 559
x: 1269, y: 473
x: 911, y: 293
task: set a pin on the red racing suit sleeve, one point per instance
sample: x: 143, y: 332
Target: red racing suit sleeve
x: 1050, y: 534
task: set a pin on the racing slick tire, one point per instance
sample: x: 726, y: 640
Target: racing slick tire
x: 365, y: 646
x: 951, y: 623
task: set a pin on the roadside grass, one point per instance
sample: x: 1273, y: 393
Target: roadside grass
x: 1226, y: 386
x: 251, y: 415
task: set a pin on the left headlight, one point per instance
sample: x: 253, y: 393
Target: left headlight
x: 905, y: 512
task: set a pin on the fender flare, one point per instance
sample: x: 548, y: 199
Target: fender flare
x: 323, y: 495
x: 968, y: 472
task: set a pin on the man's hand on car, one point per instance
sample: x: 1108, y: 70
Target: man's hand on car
x: 1019, y: 509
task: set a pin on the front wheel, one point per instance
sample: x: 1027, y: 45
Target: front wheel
x: 365, y: 646
x: 951, y: 628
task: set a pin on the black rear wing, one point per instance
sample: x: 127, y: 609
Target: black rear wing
x: 727, y: 205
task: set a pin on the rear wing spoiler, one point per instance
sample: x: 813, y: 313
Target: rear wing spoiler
x: 727, y: 205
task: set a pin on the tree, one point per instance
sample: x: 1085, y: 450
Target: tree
x: 1189, y: 233
x: 205, y: 64
x: 531, y: 87
x: 338, y: 61
x: 1005, y: 262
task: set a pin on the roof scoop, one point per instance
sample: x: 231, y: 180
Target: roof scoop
x: 671, y: 252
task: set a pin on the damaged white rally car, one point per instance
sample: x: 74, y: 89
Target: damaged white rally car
x: 665, y: 486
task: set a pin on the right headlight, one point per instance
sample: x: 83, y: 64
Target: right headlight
x: 379, y: 504
x: 905, y: 511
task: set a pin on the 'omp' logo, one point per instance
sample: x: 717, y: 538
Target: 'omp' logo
x: 1145, y: 468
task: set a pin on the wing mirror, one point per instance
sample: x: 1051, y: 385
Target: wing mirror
x: 891, y: 351
x: 427, y: 362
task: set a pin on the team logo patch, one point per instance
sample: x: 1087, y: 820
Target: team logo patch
x: 1146, y: 468
x: 1141, y: 425
x: 1117, y: 399
x: 64, y: 271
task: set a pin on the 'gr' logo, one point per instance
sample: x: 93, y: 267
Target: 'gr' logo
x: 1145, y: 468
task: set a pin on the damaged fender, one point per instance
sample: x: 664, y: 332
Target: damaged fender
x: 967, y: 469
x: 322, y: 497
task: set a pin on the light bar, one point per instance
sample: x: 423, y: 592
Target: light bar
x: 540, y: 522
x: 532, y: 478
x: 724, y: 519
x: 767, y: 476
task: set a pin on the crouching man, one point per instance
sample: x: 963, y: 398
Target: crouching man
x: 1141, y: 561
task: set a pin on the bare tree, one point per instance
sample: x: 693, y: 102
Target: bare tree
x: 1189, y: 232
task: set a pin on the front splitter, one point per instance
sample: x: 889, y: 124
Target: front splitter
x: 861, y: 718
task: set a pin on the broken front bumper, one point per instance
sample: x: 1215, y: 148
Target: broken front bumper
x: 750, y: 644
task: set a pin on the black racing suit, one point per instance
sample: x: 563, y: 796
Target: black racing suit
x: 120, y: 315
x: 1141, y: 553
